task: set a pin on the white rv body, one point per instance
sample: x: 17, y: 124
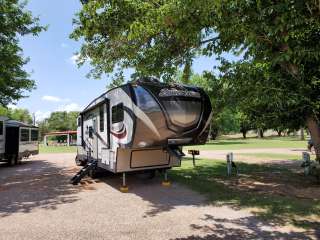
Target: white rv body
x: 127, y: 129
x: 18, y: 140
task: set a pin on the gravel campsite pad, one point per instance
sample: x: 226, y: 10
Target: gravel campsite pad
x: 37, y: 202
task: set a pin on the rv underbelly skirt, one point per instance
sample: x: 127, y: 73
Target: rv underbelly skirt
x: 128, y: 160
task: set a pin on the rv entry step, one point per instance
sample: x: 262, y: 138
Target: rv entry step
x: 83, y: 172
x: 175, y: 152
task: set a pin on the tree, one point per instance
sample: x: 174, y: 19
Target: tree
x: 15, y: 21
x: 280, y: 39
x: 58, y: 121
x: 18, y: 114
x: 62, y: 121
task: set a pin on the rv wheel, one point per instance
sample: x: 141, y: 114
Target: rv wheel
x: 80, y: 162
x: 93, y: 173
x: 13, y: 160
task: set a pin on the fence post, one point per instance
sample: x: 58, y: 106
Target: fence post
x: 229, y: 163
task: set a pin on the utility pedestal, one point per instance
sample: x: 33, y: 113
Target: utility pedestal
x: 194, y: 153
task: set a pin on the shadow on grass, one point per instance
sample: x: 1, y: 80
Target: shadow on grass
x: 257, y: 187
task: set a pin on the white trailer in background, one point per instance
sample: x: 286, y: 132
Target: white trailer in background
x: 17, y: 140
x: 141, y: 125
x: 2, y: 136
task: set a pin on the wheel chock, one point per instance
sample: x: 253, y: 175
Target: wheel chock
x: 124, y: 189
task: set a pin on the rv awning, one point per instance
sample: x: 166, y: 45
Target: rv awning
x: 14, y: 123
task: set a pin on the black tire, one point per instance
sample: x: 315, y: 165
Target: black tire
x: 13, y: 160
x: 19, y: 160
x: 80, y: 162
x: 152, y: 174
x: 93, y: 173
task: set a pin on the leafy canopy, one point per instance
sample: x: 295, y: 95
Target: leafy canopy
x: 19, y: 114
x: 278, y: 77
x: 15, y: 22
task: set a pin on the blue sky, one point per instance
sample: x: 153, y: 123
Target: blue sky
x: 61, y: 85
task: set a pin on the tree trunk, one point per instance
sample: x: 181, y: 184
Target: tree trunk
x: 279, y: 133
x: 260, y: 133
x: 314, y: 129
x: 187, y: 71
x: 244, y: 134
x: 302, y: 134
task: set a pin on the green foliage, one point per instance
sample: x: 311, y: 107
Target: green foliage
x: 62, y: 121
x: 117, y: 80
x: 277, y: 81
x: 15, y: 21
x: 58, y: 121
x: 18, y: 114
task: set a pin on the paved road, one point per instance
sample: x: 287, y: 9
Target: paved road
x: 37, y: 202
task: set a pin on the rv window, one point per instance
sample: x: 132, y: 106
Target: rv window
x: 34, y: 135
x: 117, y: 113
x: 101, y: 114
x: 24, y: 137
x: 79, y: 121
x: 1, y: 127
x: 183, y: 113
x: 90, y: 132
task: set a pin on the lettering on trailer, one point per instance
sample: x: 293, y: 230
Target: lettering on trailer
x: 165, y: 92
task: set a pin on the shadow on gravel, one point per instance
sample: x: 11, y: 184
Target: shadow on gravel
x: 161, y: 199
x: 243, y: 228
x: 33, y: 185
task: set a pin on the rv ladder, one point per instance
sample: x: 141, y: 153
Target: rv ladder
x: 83, y: 172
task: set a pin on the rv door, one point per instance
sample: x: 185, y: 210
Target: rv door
x: 94, y: 137
x: 2, y: 136
x: 79, y: 130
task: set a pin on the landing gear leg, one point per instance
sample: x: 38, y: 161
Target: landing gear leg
x: 166, y: 182
x: 124, y: 188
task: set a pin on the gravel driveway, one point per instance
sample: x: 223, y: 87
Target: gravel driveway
x: 37, y: 202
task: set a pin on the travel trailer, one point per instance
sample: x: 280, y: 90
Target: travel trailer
x: 2, y: 136
x: 17, y: 140
x: 141, y: 125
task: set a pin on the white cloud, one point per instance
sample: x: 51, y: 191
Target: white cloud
x: 39, y: 115
x: 69, y: 107
x: 64, y: 45
x: 12, y: 106
x: 74, y: 59
x: 54, y: 99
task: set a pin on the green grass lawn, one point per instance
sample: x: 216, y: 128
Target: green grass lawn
x: 268, y: 142
x: 209, y: 178
x: 222, y: 144
x: 57, y: 149
x: 276, y: 156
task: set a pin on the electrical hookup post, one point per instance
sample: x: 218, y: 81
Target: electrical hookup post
x: 231, y: 165
x: 306, y: 163
x: 194, y: 153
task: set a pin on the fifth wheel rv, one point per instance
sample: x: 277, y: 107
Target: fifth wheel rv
x: 141, y: 125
